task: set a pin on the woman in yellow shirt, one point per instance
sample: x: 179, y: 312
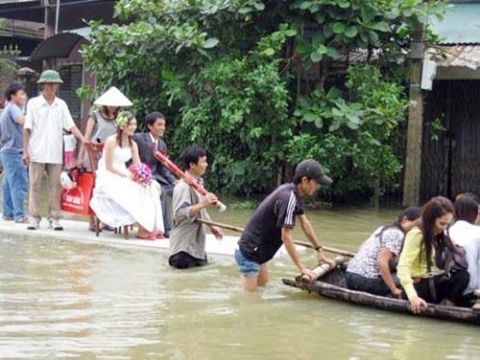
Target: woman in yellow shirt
x: 417, y: 259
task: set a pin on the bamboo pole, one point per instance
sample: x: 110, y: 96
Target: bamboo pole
x: 327, y: 248
x: 224, y: 226
x: 300, y: 243
x: 321, y: 270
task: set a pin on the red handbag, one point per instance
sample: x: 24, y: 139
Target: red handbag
x: 77, y: 200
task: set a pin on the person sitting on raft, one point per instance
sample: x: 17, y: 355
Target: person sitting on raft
x: 466, y: 234
x: 417, y: 258
x: 369, y: 270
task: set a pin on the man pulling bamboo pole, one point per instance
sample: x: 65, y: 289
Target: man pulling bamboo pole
x: 299, y: 243
x: 272, y: 223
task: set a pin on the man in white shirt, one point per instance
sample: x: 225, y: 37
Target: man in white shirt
x: 466, y: 234
x: 46, y: 119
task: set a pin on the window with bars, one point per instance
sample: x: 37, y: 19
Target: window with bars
x: 72, y: 80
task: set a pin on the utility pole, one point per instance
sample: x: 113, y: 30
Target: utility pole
x: 46, y: 13
x: 413, y: 163
x: 57, y: 15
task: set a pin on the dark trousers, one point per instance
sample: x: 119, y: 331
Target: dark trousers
x: 374, y: 286
x: 182, y: 260
x: 167, y: 190
x: 467, y: 300
x: 442, y: 286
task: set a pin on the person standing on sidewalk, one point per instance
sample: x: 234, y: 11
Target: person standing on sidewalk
x: 15, y: 181
x: 47, y: 117
x: 100, y: 126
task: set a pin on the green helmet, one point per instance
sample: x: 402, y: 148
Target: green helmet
x: 50, y: 76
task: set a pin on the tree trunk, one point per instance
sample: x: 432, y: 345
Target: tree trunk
x: 411, y: 190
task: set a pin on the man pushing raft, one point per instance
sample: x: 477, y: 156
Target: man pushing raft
x: 272, y: 223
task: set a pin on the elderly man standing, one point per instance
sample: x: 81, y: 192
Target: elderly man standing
x: 46, y: 119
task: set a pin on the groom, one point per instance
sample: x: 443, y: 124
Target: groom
x: 148, y: 142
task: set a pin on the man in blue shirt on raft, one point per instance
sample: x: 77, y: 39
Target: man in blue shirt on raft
x: 272, y: 223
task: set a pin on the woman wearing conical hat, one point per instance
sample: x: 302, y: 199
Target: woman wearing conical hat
x: 101, y: 125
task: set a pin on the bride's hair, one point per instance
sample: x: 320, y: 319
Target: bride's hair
x: 129, y: 117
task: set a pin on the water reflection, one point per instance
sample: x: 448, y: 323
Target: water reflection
x: 60, y: 299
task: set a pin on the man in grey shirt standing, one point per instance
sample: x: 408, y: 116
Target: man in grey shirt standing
x: 15, y: 180
x: 187, y: 239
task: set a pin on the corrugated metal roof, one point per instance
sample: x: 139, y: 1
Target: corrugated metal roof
x: 460, y: 25
x: 83, y: 31
x: 56, y: 46
x: 459, y: 55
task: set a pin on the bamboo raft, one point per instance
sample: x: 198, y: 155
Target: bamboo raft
x: 333, y: 285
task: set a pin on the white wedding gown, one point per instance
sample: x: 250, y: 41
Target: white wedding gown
x: 119, y: 201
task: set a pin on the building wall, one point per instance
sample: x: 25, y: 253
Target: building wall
x: 76, y: 75
x: 451, y: 164
x: 457, y: 73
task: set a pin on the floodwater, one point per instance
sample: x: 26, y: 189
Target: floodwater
x: 65, y: 300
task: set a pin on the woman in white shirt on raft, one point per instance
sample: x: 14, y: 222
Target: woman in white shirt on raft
x: 466, y: 233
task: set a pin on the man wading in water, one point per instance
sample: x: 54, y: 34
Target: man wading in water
x: 272, y: 223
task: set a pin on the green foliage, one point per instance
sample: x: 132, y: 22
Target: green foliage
x: 242, y: 204
x: 243, y: 117
x: 343, y: 25
x: 257, y: 83
x: 436, y: 128
x: 7, y: 65
x: 354, y: 132
x: 85, y: 93
x: 7, y: 70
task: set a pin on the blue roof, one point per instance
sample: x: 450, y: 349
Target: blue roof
x: 460, y: 25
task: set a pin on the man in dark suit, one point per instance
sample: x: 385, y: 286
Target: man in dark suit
x: 148, y: 142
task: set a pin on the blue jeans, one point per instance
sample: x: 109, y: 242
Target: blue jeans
x: 14, y: 185
x: 374, y: 286
x: 246, y: 266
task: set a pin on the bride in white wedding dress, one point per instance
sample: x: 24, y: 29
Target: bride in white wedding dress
x: 117, y: 199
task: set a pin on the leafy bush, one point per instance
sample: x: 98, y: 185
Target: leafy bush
x: 262, y: 85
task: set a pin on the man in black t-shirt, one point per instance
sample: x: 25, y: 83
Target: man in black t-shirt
x: 272, y: 223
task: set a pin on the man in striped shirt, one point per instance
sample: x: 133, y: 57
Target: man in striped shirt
x: 272, y: 223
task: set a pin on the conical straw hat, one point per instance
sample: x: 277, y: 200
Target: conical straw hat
x: 113, y: 97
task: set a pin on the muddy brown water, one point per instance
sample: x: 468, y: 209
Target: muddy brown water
x: 65, y: 300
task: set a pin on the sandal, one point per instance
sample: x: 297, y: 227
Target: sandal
x: 159, y: 236
x: 93, y: 229
x: 149, y: 237
x: 107, y: 228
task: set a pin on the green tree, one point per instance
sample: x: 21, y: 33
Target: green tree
x: 264, y: 84
x: 8, y: 66
x: 355, y: 138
